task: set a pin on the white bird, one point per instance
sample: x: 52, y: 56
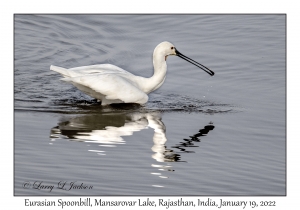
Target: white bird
x: 111, y: 84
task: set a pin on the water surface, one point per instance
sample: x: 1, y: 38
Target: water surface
x: 197, y: 135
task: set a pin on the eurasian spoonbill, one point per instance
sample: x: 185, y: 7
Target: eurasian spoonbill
x: 111, y: 84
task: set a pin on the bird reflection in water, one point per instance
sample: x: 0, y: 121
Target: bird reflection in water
x: 189, y: 142
x: 105, y: 129
x: 163, y: 154
x: 108, y: 130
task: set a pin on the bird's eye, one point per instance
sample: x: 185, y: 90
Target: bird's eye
x: 172, y: 48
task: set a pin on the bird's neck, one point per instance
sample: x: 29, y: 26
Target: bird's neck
x: 160, y: 70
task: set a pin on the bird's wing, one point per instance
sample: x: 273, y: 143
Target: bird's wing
x: 97, y: 69
x: 113, y: 86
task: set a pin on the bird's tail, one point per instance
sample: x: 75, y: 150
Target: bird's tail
x: 60, y: 70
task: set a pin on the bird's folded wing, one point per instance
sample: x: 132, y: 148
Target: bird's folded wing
x: 112, y: 86
x: 99, y: 68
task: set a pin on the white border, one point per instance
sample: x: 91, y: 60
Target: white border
x: 8, y: 201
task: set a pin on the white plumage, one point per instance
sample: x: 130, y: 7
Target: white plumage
x: 111, y: 84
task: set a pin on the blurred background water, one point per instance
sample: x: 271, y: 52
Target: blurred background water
x: 197, y: 135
